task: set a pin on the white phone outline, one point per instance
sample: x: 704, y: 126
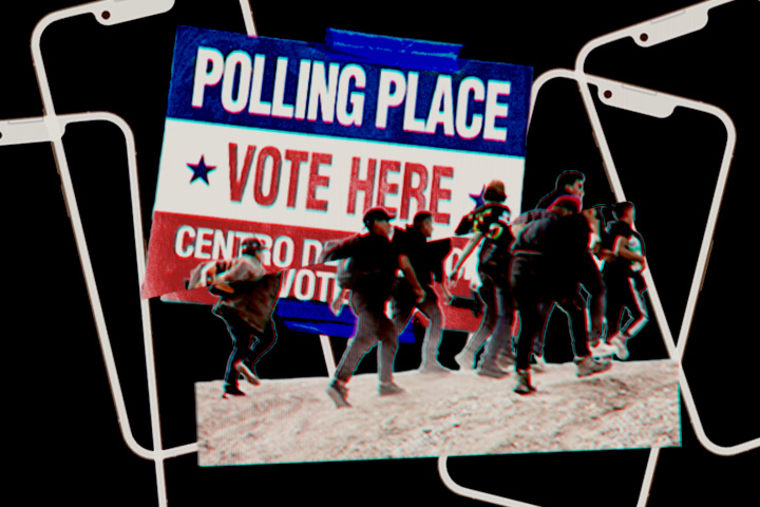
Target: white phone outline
x: 652, y: 103
x: 646, y: 34
x: 51, y: 127
x: 29, y: 130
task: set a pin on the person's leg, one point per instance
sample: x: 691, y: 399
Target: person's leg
x: 545, y: 310
x: 527, y: 287
x: 634, y: 303
x: 402, y: 305
x: 242, y: 335
x: 638, y: 309
x: 487, y: 294
x: 388, y: 338
x: 594, y: 285
x: 433, y: 334
x: 578, y: 327
x: 501, y: 336
x: 615, y: 305
x: 365, y: 337
x: 261, y: 344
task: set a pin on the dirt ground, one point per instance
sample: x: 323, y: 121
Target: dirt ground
x: 633, y: 405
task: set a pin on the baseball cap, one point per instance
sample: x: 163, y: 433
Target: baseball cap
x: 568, y: 202
x: 375, y: 214
x: 495, y: 191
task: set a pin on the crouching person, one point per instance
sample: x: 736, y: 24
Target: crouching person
x: 247, y: 298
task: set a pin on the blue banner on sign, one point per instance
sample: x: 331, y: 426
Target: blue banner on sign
x: 355, y: 86
x: 316, y: 318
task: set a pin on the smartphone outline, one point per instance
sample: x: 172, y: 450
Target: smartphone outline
x: 636, y: 100
x: 645, y: 34
x: 51, y: 127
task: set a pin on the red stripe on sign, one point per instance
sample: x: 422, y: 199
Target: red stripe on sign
x: 179, y: 242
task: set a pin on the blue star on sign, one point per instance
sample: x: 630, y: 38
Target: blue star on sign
x: 201, y: 170
x: 478, y: 198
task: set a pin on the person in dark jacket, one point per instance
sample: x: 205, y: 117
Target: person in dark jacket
x: 374, y: 263
x: 426, y: 259
x: 550, y: 259
x: 247, y: 298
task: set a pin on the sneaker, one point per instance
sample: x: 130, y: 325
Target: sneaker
x: 232, y: 390
x: 390, y: 387
x: 589, y: 365
x: 465, y: 360
x: 602, y: 349
x: 506, y: 359
x: 491, y: 370
x: 538, y: 363
x: 523, y: 385
x: 243, y: 369
x: 338, y: 392
x: 621, y: 350
x: 433, y: 367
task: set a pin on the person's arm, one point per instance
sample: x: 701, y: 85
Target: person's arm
x: 517, y: 228
x: 406, y: 267
x: 604, y: 254
x: 239, y: 270
x: 468, y: 249
x: 338, y: 249
x: 621, y: 250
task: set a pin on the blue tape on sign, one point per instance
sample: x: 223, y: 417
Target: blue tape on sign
x: 314, y: 317
x: 393, y: 51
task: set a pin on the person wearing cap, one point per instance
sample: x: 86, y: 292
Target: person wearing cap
x: 489, y: 226
x: 426, y: 259
x: 247, y: 298
x: 622, y: 277
x: 374, y: 263
x: 550, y: 258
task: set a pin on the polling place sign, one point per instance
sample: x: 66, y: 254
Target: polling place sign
x: 292, y: 142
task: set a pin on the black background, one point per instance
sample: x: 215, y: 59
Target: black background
x: 64, y: 440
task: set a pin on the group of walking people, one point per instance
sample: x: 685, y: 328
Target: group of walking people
x: 587, y: 262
